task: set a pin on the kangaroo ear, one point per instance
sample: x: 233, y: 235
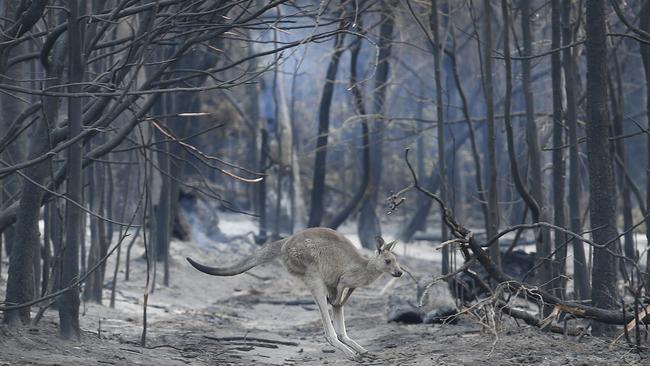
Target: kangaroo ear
x: 380, y: 243
x: 389, y: 247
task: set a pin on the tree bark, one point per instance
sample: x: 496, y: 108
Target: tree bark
x: 93, y: 285
x: 354, y: 202
x: 318, y: 182
x: 21, y: 277
x: 298, y: 210
x: 645, y: 56
x: 442, y: 168
x: 10, y: 111
x: 56, y: 232
x: 69, y: 302
x: 601, y: 178
x: 580, y: 273
x: 559, y: 169
x: 492, y: 188
x: 618, y: 153
x: 543, y: 246
x: 46, y: 251
x: 369, y: 225
x: 163, y: 210
x: 478, y: 174
x: 261, y: 193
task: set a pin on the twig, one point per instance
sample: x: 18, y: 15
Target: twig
x: 253, y: 339
x: 460, y: 269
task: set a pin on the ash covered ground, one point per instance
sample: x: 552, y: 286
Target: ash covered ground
x: 267, y: 318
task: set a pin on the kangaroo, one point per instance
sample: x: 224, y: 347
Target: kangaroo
x: 331, y: 268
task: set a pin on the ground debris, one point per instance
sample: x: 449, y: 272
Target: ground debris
x: 252, y: 339
x: 273, y: 328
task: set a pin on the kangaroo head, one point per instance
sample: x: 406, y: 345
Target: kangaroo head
x: 385, y: 261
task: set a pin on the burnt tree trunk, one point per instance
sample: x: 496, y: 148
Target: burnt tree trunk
x: 492, y: 188
x: 602, y: 211
x: 17, y: 19
x: 163, y: 211
x: 353, y: 203
x: 618, y: 153
x: 559, y: 169
x: 21, y: 276
x: 543, y: 245
x: 318, y: 186
x: 580, y: 273
x: 369, y: 225
x: 69, y: 302
x: 442, y: 168
x: 20, y: 281
x: 93, y: 285
x: 645, y: 56
x: 261, y: 193
x: 478, y: 174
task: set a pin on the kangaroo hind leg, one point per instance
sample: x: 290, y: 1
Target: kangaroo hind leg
x: 339, y: 325
x: 319, y: 292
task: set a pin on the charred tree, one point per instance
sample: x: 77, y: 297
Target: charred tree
x: 580, y: 273
x: 539, y: 213
x: 559, y: 169
x: 21, y: 276
x: 645, y: 56
x: 442, y: 168
x: 369, y: 226
x: 318, y: 182
x: 69, y: 301
x: 12, y: 116
x: 492, y: 187
x: 353, y: 203
x: 602, y: 202
x: 164, y: 211
x: 618, y: 152
x: 261, y: 193
x: 98, y: 241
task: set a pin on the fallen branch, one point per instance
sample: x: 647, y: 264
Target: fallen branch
x: 297, y: 302
x: 540, y: 296
x: 252, y: 339
x: 530, y: 319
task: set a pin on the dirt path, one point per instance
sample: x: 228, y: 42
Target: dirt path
x: 244, y: 320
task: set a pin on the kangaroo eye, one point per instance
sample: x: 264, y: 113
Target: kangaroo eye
x: 387, y: 261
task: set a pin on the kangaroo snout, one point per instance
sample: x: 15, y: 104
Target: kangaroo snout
x: 397, y: 274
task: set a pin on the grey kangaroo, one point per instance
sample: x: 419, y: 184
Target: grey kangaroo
x: 330, y: 266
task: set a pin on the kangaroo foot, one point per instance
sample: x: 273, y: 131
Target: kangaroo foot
x: 352, y: 344
x: 350, y: 352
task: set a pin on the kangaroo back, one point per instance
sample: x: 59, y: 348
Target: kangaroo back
x: 262, y: 255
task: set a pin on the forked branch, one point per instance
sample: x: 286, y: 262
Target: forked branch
x: 469, y: 243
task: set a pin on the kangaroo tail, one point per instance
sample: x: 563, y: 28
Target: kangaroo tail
x: 262, y: 255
